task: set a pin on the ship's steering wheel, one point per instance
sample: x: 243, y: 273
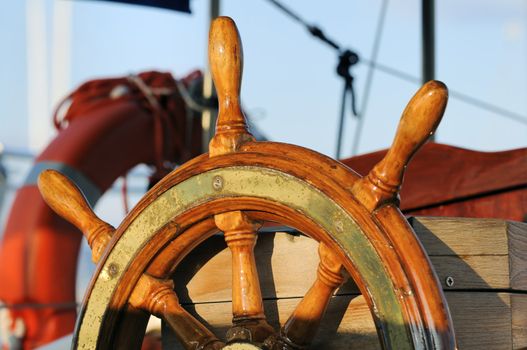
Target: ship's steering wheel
x: 239, y: 185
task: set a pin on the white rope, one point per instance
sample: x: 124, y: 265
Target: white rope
x: 145, y: 90
x: 11, y: 332
x: 189, y: 100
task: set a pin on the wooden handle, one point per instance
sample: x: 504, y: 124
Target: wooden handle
x: 158, y: 298
x: 65, y: 198
x: 418, y: 122
x: 226, y: 64
x: 302, y: 325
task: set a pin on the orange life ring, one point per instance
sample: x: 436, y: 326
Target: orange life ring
x: 111, y: 126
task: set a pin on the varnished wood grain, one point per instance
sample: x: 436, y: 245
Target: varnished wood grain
x: 226, y: 64
x: 157, y: 297
x: 430, y: 295
x: 379, y: 250
x: 240, y: 234
x: 419, y: 120
x: 348, y: 314
x: 65, y: 198
x: 287, y: 156
x: 247, y: 306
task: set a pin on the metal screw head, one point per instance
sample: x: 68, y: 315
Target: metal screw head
x: 217, y: 183
x: 339, y: 226
x: 113, y: 269
x: 449, y: 281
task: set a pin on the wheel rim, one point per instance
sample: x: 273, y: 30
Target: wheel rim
x: 197, y: 191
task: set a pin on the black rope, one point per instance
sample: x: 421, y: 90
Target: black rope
x: 317, y: 32
x: 347, y: 59
x: 313, y: 29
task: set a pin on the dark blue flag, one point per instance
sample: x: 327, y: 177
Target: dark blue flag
x: 176, y: 5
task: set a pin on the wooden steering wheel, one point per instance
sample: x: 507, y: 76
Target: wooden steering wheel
x: 239, y: 185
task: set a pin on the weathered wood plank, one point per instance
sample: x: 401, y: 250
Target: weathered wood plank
x: 480, y: 255
x: 481, y: 320
x: 473, y: 272
x: 518, y: 254
x: 277, y: 259
x: 473, y: 252
x: 347, y: 323
x: 519, y: 321
x: 461, y: 236
x: 485, y: 253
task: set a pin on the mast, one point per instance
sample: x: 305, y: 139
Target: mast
x: 428, y: 42
x: 208, y: 116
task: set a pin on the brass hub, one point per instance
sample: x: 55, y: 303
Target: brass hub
x: 241, y: 346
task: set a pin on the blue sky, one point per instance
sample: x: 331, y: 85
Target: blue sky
x: 289, y: 86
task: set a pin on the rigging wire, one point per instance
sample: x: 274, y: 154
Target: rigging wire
x: 500, y: 111
x: 488, y: 106
x: 313, y: 29
x: 369, y: 78
x: 346, y: 59
x: 374, y: 65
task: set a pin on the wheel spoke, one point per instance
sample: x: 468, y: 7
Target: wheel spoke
x: 67, y: 200
x: 158, y: 298
x: 247, y: 305
x: 301, y: 327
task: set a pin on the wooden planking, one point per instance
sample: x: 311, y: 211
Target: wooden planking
x: 519, y: 321
x: 492, y: 253
x: 277, y: 257
x: 475, y: 255
x: 473, y: 272
x: 347, y: 315
x: 481, y: 320
x: 461, y: 236
x: 518, y: 254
